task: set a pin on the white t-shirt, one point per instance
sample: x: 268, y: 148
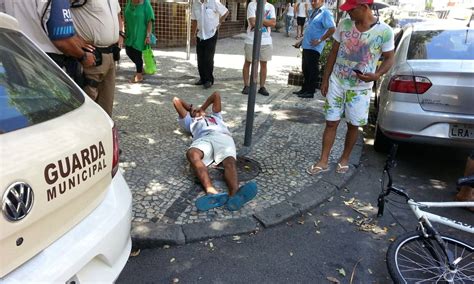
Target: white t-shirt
x: 202, y: 125
x: 269, y: 13
x: 359, y: 51
x: 207, y: 15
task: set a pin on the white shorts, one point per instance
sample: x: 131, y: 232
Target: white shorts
x: 265, y: 52
x: 353, y: 104
x: 216, y: 147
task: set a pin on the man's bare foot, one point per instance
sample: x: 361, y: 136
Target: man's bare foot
x: 137, y: 78
x: 211, y: 190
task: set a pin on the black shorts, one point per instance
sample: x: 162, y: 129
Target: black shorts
x: 300, y: 21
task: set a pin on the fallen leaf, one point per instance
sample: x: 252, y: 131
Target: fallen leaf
x: 334, y: 214
x: 166, y: 246
x: 370, y: 271
x: 175, y: 280
x: 236, y: 238
x: 333, y: 280
x: 135, y: 253
x: 392, y: 239
x: 211, y: 245
x: 301, y: 222
x: 247, y: 168
x: 350, y: 220
x: 330, y: 198
x: 350, y: 201
x: 318, y: 232
x: 291, y: 254
x: 309, y: 214
x: 172, y: 260
x: 342, y: 272
x: 393, y: 224
x: 316, y: 223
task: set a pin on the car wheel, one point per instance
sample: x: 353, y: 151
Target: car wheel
x: 381, y: 142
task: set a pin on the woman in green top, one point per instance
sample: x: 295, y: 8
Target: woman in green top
x: 139, y: 17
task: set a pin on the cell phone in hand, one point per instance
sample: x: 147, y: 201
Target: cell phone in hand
x: 358, y: 71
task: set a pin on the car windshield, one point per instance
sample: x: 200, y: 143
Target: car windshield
x: 31, y: 89
x: 442, y: 44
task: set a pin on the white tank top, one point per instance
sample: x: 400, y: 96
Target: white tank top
x: 301, y: 9
x: 290, y: 11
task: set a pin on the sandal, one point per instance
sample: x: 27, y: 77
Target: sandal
x: 135, y: 80
x: 342, y: 169
x: 314, y: 170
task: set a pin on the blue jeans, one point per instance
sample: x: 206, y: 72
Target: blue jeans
x: 288, y: 23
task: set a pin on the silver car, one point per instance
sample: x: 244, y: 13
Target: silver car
x: 428, y: 95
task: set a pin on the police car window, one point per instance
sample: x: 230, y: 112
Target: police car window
x: 31, y: 89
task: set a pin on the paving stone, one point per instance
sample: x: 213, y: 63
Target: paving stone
x: 276, y: 214
x: 215, y: 229
x: 148, y: 235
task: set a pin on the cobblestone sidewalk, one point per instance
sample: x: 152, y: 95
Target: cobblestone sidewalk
x: 286, y: 139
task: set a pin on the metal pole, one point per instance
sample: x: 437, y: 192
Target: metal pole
x: 257, y: 40
x: 188, y: 29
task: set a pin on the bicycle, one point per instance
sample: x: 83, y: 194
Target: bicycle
x: 424, y: 255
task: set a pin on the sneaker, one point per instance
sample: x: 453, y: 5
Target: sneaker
x: 300, y: 92
x: 246, y: 90
x: 263, y: 91
x: 207, y: 85
x: 306, y: 95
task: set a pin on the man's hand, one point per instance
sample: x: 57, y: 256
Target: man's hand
x: 315, y: 42
x: 89, y: 59
x: 368, y: 77
x: 324, y: 88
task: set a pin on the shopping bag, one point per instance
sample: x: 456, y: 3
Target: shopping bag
x: 149, y: 60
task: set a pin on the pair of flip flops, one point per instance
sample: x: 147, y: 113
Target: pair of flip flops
x: 245, y: 193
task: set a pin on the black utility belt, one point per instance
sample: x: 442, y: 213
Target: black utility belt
x: 108, y: 49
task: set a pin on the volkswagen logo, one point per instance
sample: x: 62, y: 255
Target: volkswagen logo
x: 17, y: 201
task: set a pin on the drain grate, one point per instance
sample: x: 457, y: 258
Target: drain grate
x: 247, y: 169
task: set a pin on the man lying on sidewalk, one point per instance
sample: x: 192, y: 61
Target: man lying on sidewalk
x: 212, y: 142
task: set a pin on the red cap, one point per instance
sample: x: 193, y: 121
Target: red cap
x: 351, y: 4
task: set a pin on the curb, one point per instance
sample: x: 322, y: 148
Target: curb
x: 152, y: 235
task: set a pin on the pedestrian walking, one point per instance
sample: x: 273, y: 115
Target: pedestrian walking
x: 320, y: 27
x: 351, y: 69
x: 139, y: 18
x: 50, y: 25
x: 207, y: 15
x: 269, y: 21
x: 98, y: 22
x: 212, y: 143
x: 289, y: 14
x: 301, y: 11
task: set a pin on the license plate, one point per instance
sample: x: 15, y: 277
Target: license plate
x: 464, y: 131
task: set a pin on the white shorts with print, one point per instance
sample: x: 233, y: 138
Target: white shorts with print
x: 353, y: 104
x: 216, y: 147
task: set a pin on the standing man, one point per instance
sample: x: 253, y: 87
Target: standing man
x: 301, y: 11
x: 206, y: 17
x: 98, y: 22
x: 320, y: 27
x: 349, y: 75
x: 49, y: 24
x: 269, y: 21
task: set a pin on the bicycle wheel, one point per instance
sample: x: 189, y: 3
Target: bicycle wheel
x: 415, y: 259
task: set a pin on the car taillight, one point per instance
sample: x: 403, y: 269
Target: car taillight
x: 409, y: 84
x: 115, y: 159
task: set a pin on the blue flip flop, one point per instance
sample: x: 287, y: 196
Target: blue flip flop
x: 245, y: 193
x: 210, y: 201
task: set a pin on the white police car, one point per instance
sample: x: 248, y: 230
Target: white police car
x: 66, y: 209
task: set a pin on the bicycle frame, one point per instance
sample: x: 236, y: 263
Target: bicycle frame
x: 415, y: 207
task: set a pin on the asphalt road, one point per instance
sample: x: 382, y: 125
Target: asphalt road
x: 340, y: 239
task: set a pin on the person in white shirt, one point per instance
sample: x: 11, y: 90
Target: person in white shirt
x: 269, y: 21
x: 301, y: 11
x: 206, y: 17
x: 290, y: 13
x: 212, y: 143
